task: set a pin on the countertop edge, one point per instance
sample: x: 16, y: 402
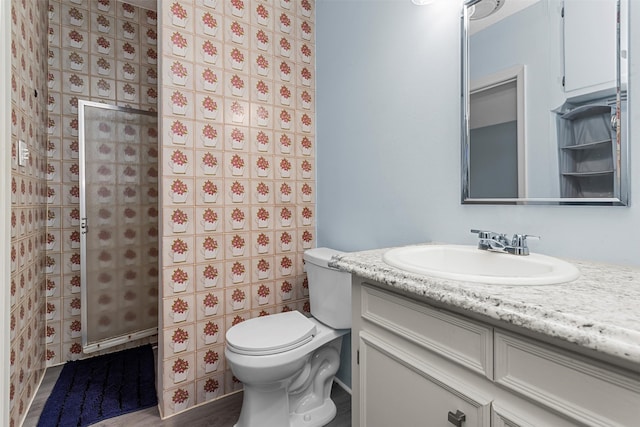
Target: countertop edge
x: 590, y: 333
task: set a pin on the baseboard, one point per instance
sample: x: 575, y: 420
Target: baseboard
x: 342, y: 385
x: 33, y: 397
x: 168, y: 416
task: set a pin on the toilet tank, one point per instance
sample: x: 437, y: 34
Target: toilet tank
x: 329, y: 289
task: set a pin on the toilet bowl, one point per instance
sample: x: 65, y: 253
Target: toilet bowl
x: 287, y: 361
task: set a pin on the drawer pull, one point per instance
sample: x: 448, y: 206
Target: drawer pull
x: 457, y: 419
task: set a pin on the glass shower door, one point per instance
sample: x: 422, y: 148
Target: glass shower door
x: 119, y: 224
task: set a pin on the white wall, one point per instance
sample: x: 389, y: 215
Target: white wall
x: 388, y: 132
x: 5, y: 207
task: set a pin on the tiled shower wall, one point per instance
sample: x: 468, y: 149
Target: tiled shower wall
x: 238, y: 179
x: 28, y: 204
x: 102, y: 51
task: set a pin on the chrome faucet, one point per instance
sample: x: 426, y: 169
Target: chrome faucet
x: 496, y: 242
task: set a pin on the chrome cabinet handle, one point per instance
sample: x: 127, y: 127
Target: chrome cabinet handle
x: 457, y: 419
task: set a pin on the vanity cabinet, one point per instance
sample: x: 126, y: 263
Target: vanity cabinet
x: 418, y: 365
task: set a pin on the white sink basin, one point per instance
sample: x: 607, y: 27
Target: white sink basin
x: 470, y: 264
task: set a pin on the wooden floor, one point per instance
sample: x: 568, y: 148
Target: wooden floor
x: 221, y: 413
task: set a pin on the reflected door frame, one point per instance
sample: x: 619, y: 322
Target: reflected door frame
x: 514, y: 74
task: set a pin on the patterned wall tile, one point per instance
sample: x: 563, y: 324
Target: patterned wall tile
x: 29, y: 241
x: 236, y: 171
x: 98, y: 50
x: 237, y: 112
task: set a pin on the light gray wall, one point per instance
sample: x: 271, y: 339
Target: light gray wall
x: 388, y: 132
x: 388, y: 142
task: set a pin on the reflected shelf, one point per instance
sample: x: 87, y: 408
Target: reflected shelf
x: 588, y: 145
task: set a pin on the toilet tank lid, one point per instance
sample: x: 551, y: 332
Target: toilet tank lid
x: 320, y: 256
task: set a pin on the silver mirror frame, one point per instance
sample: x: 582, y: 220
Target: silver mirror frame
x: 622, y: 198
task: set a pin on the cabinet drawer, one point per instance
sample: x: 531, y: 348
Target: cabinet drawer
x: 586, y: 391
x: 448, y: 335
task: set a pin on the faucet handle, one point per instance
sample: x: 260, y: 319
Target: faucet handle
x: 482, y: 233
x: 498, y: 237
x: 520, y: 240
x: 519, y: 243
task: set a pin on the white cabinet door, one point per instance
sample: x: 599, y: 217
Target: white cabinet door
x: 398, y: 389
x: 589, y: 44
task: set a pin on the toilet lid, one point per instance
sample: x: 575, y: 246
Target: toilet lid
x: 271, y: 334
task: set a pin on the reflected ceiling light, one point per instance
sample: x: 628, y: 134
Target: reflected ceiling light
x: 484, y: 8
x: 421, y: 2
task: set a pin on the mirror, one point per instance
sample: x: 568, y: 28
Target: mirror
x: 544, y: 102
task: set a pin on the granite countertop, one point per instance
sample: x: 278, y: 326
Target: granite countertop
x: 599, y: 311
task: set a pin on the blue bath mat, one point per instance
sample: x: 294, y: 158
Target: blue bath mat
x: 91, y: 390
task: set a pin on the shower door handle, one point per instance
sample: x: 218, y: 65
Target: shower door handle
x: 84, y: 228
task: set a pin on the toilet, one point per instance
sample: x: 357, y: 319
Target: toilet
x: 287, y: 361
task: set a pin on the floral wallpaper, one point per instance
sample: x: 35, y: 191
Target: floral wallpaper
x: 28, y: 205
x: 238, y: 180
x: 236, y: 172
x: 102, y: 51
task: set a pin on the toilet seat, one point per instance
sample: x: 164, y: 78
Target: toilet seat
x: 276, y: 333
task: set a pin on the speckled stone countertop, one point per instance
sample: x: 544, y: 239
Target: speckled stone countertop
x: 600, y: 310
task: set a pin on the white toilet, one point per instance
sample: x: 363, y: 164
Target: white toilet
x: 287, y: 361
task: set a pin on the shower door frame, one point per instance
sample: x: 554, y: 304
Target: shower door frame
x: 84, y: 227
